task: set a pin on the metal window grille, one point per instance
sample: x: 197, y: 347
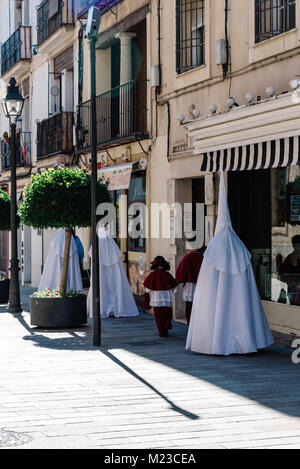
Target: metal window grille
x: 16, y: 48
x: 51, y: 14
x: 273, y: 17
x: 118, y: 117
x: 190, y: 34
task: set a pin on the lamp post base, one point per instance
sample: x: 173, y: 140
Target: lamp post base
x: 14, y: 302
x: 14, y: 309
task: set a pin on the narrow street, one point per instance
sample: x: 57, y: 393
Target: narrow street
x: 139, y: 390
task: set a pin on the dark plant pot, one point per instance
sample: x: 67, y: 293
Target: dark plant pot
x: 4, y: 291
x: 61, y: 313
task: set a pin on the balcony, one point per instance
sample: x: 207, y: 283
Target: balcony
x: 23, y: 151
x: 51, y: 15
x: 55, y: 135
x: 16, y: 49
x: 103, y: 5
x: 121, y: 117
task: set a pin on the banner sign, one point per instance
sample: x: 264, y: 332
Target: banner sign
x: 119, y: 176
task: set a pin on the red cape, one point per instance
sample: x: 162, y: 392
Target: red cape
x: 189, y: 268
x: 160, y: 280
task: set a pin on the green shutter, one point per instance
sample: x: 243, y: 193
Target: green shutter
x: 115, y: 64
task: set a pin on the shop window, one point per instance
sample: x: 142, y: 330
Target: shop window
x: 137, y: 195
x: 190, y: 34
x: 273, y: 17
x: 265, y: 211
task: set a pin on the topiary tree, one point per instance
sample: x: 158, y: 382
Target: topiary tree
x: 60, y: 198
x: 4, y: 211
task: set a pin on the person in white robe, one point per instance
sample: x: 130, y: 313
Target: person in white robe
x: 227, y: 315
x: 116, y: 298
x: 52, y: 269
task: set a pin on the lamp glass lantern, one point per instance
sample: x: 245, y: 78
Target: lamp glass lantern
x: 13, y: 103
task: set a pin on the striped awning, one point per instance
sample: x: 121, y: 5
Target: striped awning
x: 264, y: 155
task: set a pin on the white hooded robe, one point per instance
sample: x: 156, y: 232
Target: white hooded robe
x: 227, y: 315
x: 52, y: 270
x: 116, y: 298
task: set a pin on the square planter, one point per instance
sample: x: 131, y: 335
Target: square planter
x: 63, y: 313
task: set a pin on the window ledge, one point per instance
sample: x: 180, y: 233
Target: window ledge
x: 188, y: 72
x: 278, y: 36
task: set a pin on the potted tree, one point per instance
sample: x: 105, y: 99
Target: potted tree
x: 4, y: 226
x: 5, y: 137
x: 60, y: 198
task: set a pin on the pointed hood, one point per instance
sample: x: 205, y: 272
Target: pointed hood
x: 58, y: 244
x: 109, y: 252
x: 226, y: 252
x: 224, y: 219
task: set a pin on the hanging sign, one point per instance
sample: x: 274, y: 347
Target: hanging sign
x: 61, y: 160
x: 119, y: 177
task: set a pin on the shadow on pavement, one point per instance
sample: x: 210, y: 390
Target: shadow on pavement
x: 268, y: 378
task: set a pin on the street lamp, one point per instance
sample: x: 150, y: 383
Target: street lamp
x: 13, y: 106
x: 92, y: 28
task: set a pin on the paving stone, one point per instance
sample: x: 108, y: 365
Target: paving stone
x: 140, y: 391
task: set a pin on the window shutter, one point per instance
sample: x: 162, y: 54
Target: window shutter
x: 115, y: 64
x: 197, y: 16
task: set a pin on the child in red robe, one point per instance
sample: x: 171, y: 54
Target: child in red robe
x: 160, y: 287
x: 187, y: 273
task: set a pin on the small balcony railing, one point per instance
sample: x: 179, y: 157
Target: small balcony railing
x: 55, y: 135
x: 103, y: 5
x: 23, y: 151
x: 51, y: 15
x: 121, y: 115
x: 16, y: 48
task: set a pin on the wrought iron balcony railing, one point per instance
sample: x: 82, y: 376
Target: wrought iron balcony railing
x: 51, y: 14
x: 55, y: 135
x: 23, y: 151
x: 103, y: 5
x: 121, y: 116
x: 16, y: 48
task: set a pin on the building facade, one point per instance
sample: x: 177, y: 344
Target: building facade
x: 227, y: 82
x: 184, y: 88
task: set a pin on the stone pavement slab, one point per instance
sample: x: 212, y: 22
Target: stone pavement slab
x: 139, y: 390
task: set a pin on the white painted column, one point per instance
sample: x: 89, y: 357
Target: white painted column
x: 126, y: 56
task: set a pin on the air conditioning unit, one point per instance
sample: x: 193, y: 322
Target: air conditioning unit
x: 154, y: 76
x: 221, y: 52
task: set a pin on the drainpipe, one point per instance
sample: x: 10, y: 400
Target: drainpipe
x: 226, y: 65
x: 159, y: 87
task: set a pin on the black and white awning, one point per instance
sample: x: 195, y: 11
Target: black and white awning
x: 264, y: 155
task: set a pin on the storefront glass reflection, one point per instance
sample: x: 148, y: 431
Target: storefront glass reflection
x: 265, y: 212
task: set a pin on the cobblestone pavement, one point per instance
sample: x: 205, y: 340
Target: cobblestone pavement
x: 139, y: 390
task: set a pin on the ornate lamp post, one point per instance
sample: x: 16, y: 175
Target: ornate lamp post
x: 92, y: 29
x: 13, y: 106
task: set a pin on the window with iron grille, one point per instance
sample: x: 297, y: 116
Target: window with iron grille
x: 273, y: 17
x: 190, y: 34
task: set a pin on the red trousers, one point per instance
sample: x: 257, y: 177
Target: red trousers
x: 188, y: 311
x: 163, y: 316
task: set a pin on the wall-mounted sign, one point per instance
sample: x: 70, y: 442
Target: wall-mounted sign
x: 61, y: 159
x: 119, y: 176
